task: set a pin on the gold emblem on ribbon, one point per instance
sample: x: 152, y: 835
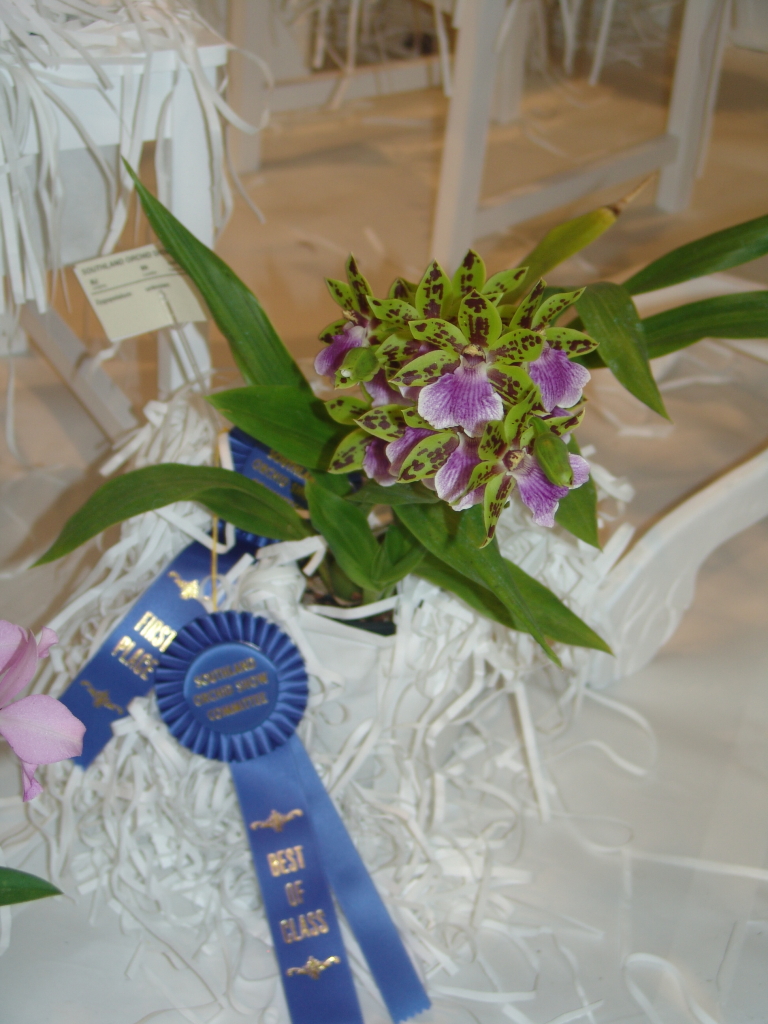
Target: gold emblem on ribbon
x: 313, y: 968
x: 101, y: 698
x: 277, y: 821
x: 188, y: 589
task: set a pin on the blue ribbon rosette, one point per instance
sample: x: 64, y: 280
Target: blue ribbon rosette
x: 232, y: 686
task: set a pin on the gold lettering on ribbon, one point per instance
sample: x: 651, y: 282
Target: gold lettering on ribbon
x: 277, y: 821
x: 310, y: 926
x: 236, y: 669
x: 101, y: 698
x: 135, y: 658
x: 188, y: 589
x: 155, y: 631
x: 287, y: 861
x: 313, y: 968
x: 216, y: 714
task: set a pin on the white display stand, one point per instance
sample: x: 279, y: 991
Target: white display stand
x: 461, y: 216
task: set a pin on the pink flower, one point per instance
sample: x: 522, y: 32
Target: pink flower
x: 38, y: 728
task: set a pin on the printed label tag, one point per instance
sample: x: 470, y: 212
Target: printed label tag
x: 137, y: 291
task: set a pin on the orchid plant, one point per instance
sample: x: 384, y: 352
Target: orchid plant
x: 453, y: 396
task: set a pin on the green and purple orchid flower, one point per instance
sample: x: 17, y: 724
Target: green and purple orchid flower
x: 471, y: 397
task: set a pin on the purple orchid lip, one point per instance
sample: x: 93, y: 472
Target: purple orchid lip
x: 539, y: 494
x: 331, y: 357
x: 382, y: 393
x: 398, y: 450
x: 560, y: 381
x: 453, y: 478
x: 464, y: 398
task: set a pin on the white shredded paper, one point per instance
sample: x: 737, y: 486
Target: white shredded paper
x: 427, y: 741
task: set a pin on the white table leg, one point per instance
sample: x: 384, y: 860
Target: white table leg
x: 183, y: 354
x: 696, y: 77
x: 510, y: 74
x: 461, y: 171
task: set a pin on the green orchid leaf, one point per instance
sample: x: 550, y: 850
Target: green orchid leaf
x: 470, y: 275
x: 496, y: 287
x: 347, y: 532
x: 525, y: 312
x: 455, y: 538
x: 360, y: 287
x: 476, y: 596
x: 402, y: 289
x: 345, y: 409
x: 574, y: 343
x: 341, y: 294
x: 293, y: 423
x: 399, y: 554
x: 577, y: 511
x: 439, y: 332
x: 709, y: 255
x: 743, y: 315
x: 359, y: 365
x: 428, y: 456
x: 396, y: 311
x: 495, y: 497
x: 20, y: 887
x: 350, y: 454
x: 551, y: 454
x: 258, y: 352
x: 554, y: 306
x: 479, y: 320
x: 372, y: 493
x: 385, y: 421
x: 610, y: 317
x: 424, y: 369
x: 261, y: 511
x: 518, y: 346
x: 435, y: 292
x: 564, y: 241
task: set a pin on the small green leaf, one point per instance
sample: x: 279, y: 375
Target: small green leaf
x: 434, y: 293
x: 259, y: 353
x: 413, y: 418
x: 610, y: 317
x: 520, y: 412
x: 372, y: 493
x: 743, y: 315
x: 577, y: 511
x: 402, y: 289
x: 709, y: 255
x: 428, y: 456
x: 345, y: 409
x: 479, y: 320
x: 20, y: 887
x: 512, y: 381
x: 439, y: 332
x: 261, y: 511
x: 494, y: 499
x: 399, y: 554
x: 470, y: 275
x: 346, y: 529
x: 385, y: 421
x: 551, y: 454
x: 496, y: 287
x: 425, y: 369
x: 360, y: 287
x: 293, y: 423
x: 350, y: 453
x: 476, y: 596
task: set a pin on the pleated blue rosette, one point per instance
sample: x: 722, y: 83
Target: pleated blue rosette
x: 232, y: 686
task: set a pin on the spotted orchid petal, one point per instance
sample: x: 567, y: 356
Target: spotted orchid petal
x: 40, y: 730
x: 376, y: 464
x: 540, y: 495
x: 380, y: 391
x: 331, y: 357
x: 398, y: 450
x: 463, y: 398
x: 560, y: 381
x: 452, y: 480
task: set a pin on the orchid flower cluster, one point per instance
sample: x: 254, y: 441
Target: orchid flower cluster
x: 467, y: 394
